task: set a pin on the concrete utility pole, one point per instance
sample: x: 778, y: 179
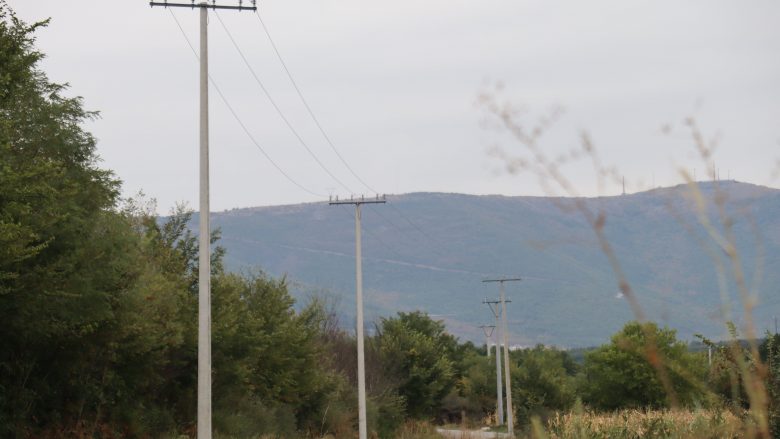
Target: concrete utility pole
x: 362, y: 428
x: 488, y: 331
x: 509, y: 417
x: 493, y: 304
x: 204, y: 255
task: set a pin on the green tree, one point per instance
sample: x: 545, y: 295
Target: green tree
x: 543, y: 382
x: 620, y: 375
x: 98, y: 303
x: 476, y: 386
x: 724, y: 376
x: 267, y: 359
x: 770, y: 354
x: 63, y: 252
x: 50, y: 187
x: 419, y: 351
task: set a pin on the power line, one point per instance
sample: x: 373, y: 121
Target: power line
x: 359, y: 301
x: 421, y: 231
x: 403, y: 232
x: 496, y: 310
x: 308, y: 108
x: 327, y: 138
x: 300, y: 139
x: 393, y: 224
x: 276, y: 107
x: 238, y: 119
x: 375, y: 235
x: 505, y: 333
x: 204, y: 249
x: 488, y: 331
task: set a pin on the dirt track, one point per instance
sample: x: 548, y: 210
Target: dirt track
x: 470, y: 434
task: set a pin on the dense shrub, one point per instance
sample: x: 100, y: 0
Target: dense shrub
x: 630, y: 371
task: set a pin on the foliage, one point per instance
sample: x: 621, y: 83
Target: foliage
x: 724, y: 376
x: 542, y: 383
x: 98, y: 311
x: 67, y: 263
x: 386, y: 414
x: 417, y: 349
x: 770, y: 353
x: 476, y: 388
x: 266, y: 352
x: 98, y: 304
x: 621, y: 375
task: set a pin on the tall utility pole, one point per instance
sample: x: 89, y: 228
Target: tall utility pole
x: 488, y: 331
x: 509, y: 417
x: 496, y: 309
x: 361, y: 367
x: 204, y: 251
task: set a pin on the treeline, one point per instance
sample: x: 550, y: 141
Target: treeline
x: 98, y: 306
x: 97, y: 300
x: 98, y: 303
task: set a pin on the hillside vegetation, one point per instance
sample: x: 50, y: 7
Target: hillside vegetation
x: 569, y: 295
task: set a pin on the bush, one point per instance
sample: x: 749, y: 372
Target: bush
x: 620, y: 374
x: 542, y: 383
x: 770, y: 351
x: 389, y: 414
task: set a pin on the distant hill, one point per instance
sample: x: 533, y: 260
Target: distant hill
x: 430, y: 251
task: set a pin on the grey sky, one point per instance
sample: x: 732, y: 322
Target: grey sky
x: 395, y: 84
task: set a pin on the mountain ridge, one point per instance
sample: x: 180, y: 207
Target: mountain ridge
x: 430, y: 251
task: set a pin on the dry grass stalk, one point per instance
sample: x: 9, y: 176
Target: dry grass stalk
x: 553, y: 180
x: 646, y: 423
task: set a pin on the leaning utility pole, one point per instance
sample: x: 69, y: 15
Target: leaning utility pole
x: 509, y: 417
x: 488, y: 334
x: 204, y: 256
x: 493, y: 304
x: 361, y: 367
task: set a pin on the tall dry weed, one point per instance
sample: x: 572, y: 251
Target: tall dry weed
x: 720, y: 246
x: 646, y: 424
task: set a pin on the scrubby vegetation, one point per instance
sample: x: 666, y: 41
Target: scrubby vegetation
x: 97, y: 316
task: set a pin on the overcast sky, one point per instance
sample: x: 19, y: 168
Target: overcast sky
x: 394, y: 85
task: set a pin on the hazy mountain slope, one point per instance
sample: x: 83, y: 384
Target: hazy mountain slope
x: 569, y: 295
